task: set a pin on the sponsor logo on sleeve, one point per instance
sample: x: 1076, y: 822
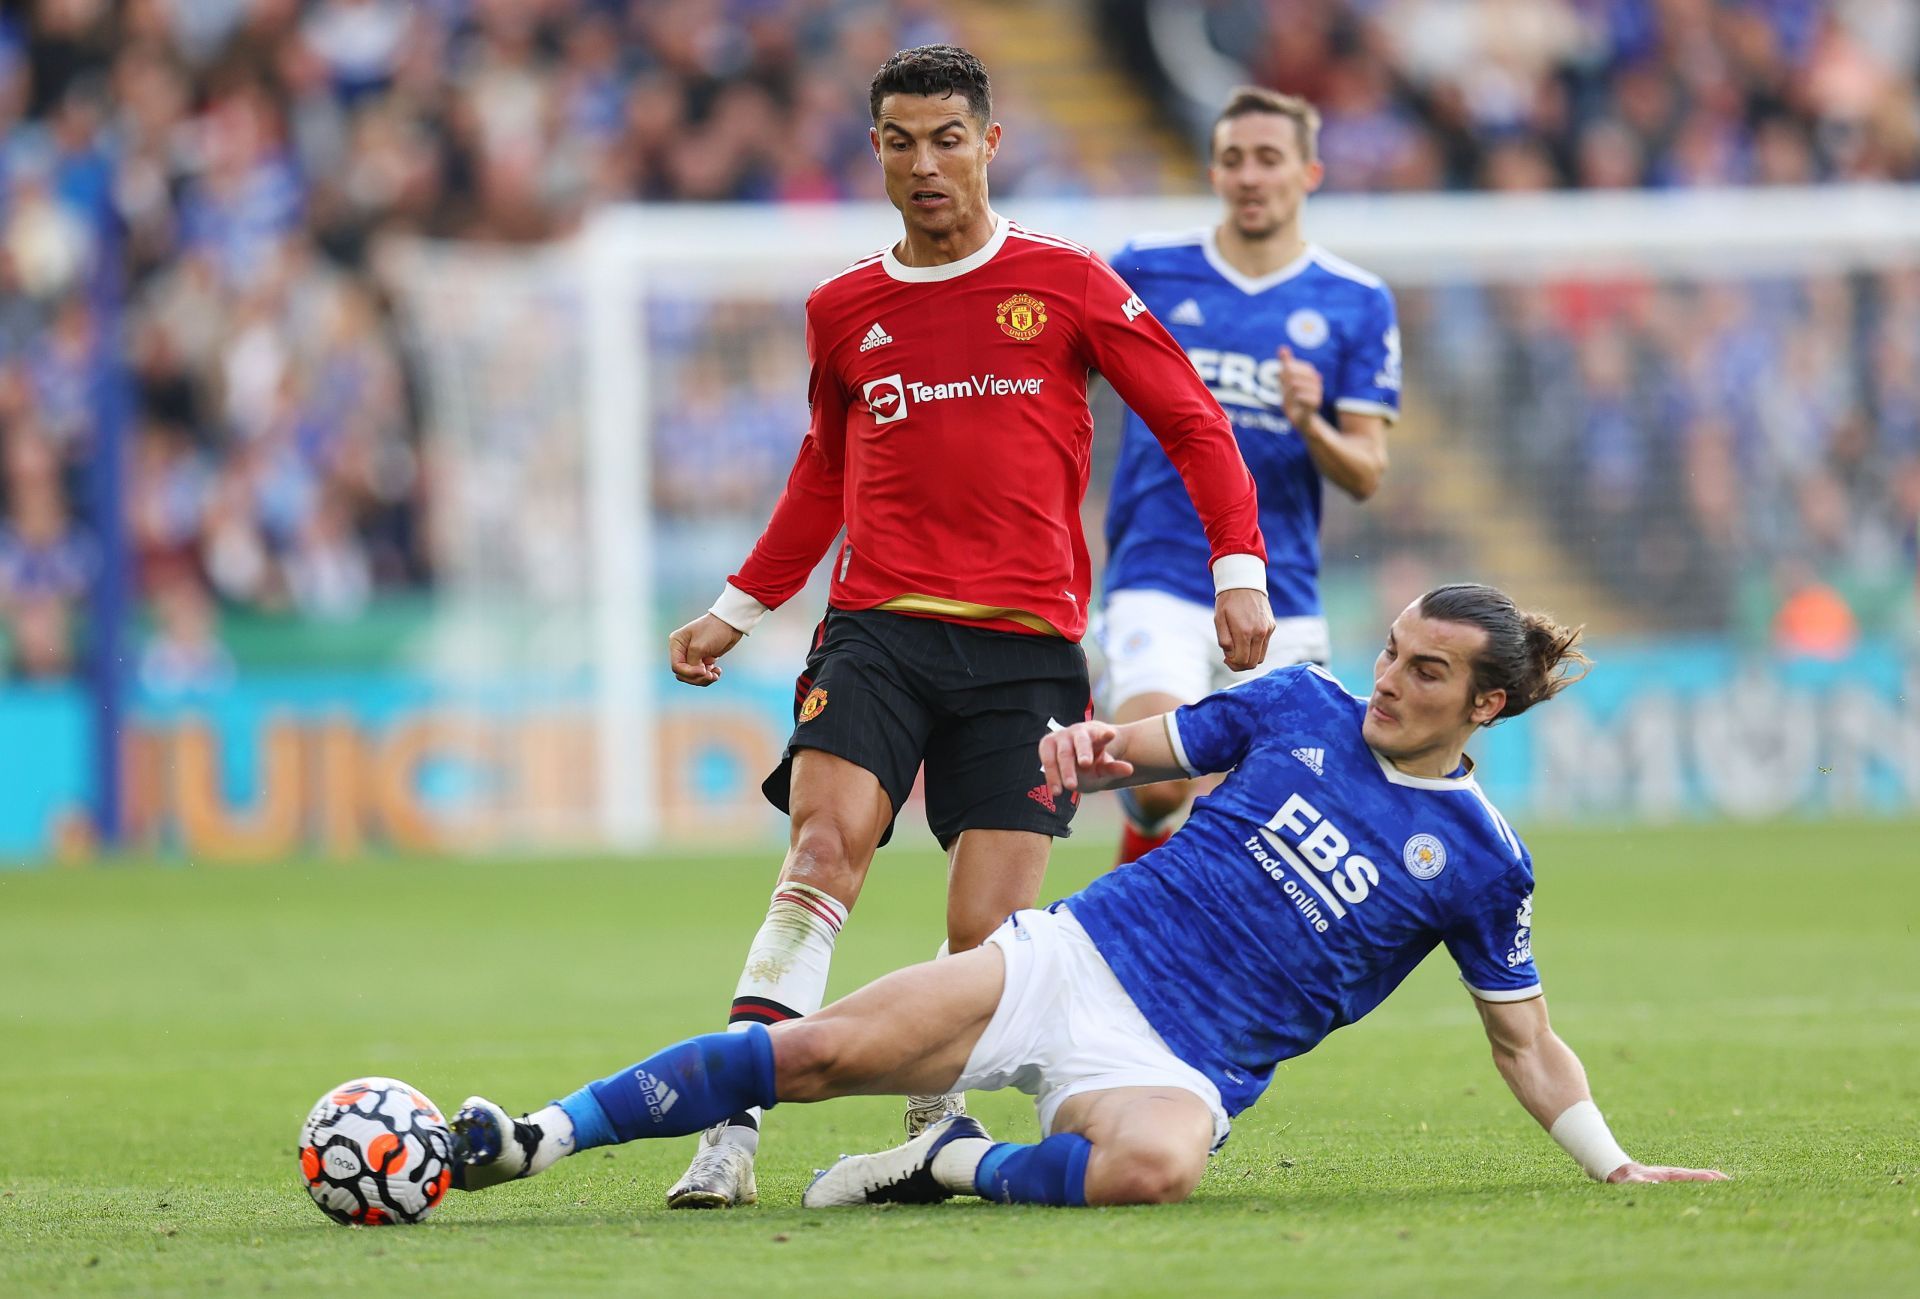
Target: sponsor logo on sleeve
x: 1522, y: 951
x: 1133, y: 308
x: 1388, y: 375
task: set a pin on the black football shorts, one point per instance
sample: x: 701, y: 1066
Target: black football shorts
x: 889, y: 691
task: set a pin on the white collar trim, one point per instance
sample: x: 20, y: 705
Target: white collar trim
x: 1395, y: 776
x: 1210, y: 246
x: 899, y: 270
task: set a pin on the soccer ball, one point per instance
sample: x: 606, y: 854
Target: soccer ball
x: 375, y: 1151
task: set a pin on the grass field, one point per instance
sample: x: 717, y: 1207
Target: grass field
x: 1747, y: 998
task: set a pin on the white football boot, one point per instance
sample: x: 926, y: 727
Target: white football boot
x: 720, y: 1176
x: 925, y: 1111
x: 903, y: 1175
x: 491, y: 1147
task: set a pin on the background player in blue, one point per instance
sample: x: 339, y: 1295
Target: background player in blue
x: 1144, y: 1011
x: 1303, y: 352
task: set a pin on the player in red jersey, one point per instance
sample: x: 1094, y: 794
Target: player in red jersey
x: 950, y: 436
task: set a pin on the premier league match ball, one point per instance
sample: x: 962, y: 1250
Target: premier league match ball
x: 375, y: 1152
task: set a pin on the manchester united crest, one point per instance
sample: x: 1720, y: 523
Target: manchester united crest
x: 814, y: 704
x: 1021, y: 317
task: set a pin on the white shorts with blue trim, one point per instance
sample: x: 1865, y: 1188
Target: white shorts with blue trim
x: 1155, y: 643
x: 1065, y: 1026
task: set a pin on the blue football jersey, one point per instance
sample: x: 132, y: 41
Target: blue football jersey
x: 1330, y: 313
x: 1307, y: 886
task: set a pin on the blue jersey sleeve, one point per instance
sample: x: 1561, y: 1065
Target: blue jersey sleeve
x: 1216, y: 733
x: 1493, y: 943
x: 1369, y: 378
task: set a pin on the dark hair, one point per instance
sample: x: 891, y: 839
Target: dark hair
x: 934, y: 70
x: 1258, y: 99
x: 1528, y: 655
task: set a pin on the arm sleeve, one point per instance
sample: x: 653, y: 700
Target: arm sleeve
x: 1218, y: 732
x: 1493, y: 943
x: 812, y: 507
x: 1153, y: 376
x: 1369, y: 378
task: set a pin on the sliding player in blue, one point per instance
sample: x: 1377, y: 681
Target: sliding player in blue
x: 1141, y: 1013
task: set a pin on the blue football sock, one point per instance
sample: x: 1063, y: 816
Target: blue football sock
x: 684, y: 1089
x: 1053, y: 1172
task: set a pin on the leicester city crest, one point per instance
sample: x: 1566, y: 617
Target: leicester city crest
x: 1425, y: 856
x: 1307, y: 328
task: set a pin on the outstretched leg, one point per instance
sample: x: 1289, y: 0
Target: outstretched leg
x: 910, y: 1031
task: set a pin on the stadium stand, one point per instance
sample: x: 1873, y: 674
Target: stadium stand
x: 213, y: 182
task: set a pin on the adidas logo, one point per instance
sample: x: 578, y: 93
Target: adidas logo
x: 1187, y: 313
x: 1314, y: 759
x: 660, y: 1097
x: 876, y: 337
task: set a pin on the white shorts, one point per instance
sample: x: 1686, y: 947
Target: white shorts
x: 1155, y: 643
x: 1065, y: 1026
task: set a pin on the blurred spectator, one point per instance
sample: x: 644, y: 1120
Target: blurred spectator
x: 1542, y: 93
x: 184, y: 654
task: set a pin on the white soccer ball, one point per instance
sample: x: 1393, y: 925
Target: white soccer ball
x: 374, y: 1151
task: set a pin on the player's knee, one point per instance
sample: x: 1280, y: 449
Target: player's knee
x: 808, y: 1060
x: 966, y: 932
x: 1155, y: 1172
x: 1157, y: 802
x: 823, y: 856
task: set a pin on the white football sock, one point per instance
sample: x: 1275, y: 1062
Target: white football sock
x: 958, y: 1161
x: 556, y: 1138
x: 786, y: 973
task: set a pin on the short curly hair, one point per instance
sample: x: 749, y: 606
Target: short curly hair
x: 934, y: 70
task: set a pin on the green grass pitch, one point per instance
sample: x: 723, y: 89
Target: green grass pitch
x: 1743, y: 997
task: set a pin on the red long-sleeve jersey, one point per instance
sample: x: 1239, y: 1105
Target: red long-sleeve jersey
x: 950, y: 433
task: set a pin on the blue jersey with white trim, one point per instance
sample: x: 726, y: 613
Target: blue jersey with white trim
x: 1331, y: 314
x: 1307, y: 886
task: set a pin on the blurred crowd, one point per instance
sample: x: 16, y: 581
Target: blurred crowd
x: 203, y: 184
x: 1596, y: 94
x: 1696, y: 445
x: 205, y: 187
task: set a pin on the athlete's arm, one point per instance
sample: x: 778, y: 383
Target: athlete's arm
x: 1090, y: 756
x: 1547, y: 1079
x: 1155, y: 378
x: 1352, y: 454
x: 805, y: 521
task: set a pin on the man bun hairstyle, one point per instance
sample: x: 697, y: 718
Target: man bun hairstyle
x: 1528, y: 655
x: 937, y: 71
x: 1258, y: 99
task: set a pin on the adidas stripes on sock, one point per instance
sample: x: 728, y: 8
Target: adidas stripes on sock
x: 684, y: 1089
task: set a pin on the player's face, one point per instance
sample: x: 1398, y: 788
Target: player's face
x: 935, y: 154
x: 1261, y: 172
x: 1424, y: 704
